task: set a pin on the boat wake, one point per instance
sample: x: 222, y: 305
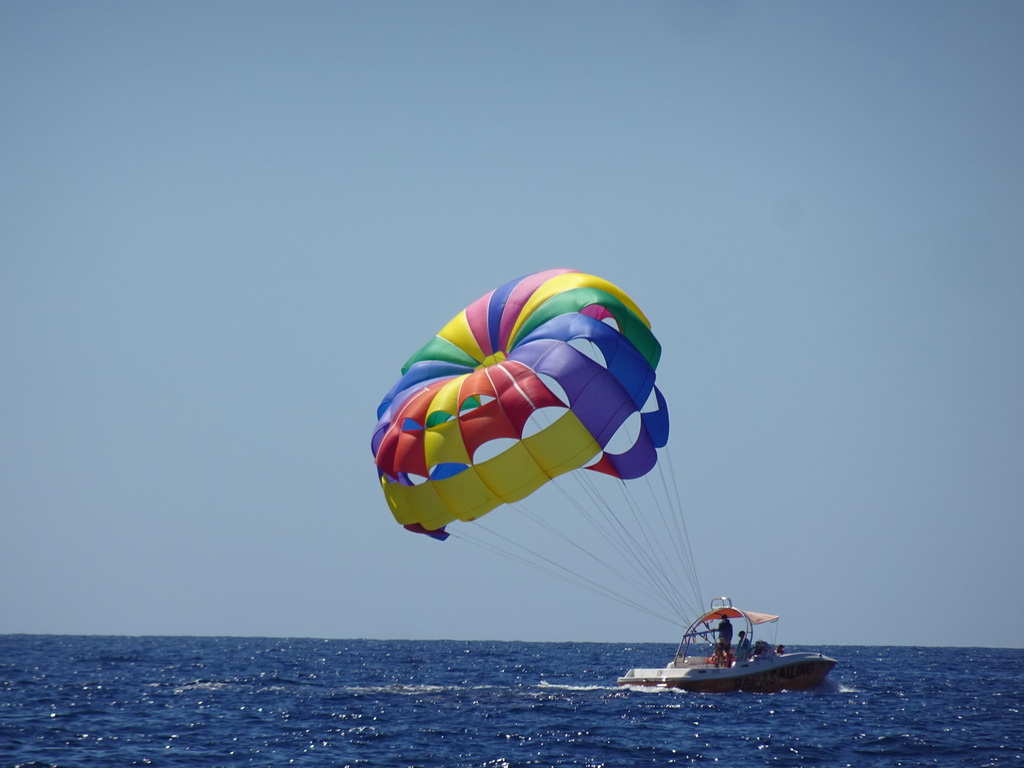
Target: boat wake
x: 834, y: 686
x: 566, y: 687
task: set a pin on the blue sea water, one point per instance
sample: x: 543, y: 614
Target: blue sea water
x: 185, y: 701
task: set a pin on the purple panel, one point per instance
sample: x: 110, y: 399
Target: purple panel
x: 638, y: 460
x: 595, y: 396
x: 378, y: 436
x: 496, y: 308
x: 440, y: 534
x: 624, y: 362
x: 602, y: 406
x: 657, y: 421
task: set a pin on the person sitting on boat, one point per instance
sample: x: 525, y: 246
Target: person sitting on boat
x: 762, y: 650
x: 742, y: 648
x: 780, y: 650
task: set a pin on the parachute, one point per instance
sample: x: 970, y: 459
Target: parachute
x: 551, y: 373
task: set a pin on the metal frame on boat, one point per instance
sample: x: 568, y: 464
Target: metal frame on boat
x: 697, y: 668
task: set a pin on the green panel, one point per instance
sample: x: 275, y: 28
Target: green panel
x: 632, y: 327
x: 438, y: 417
x: 440, y: 349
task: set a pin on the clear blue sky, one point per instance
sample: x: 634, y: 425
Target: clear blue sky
x: 224, y: 227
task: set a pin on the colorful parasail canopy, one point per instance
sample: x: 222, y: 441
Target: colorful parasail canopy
x: 547, y: 374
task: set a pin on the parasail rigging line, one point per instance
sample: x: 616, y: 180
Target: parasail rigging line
x: 690, y: 564
x: 538, y: 520
x: 548, y: 566
x: 653, y: 574
x: 677, y: 567
x: 625, y: 545
x: 651, y: 547
x: 616, y: 535
x: 641, y: 557
x: 658, y: 572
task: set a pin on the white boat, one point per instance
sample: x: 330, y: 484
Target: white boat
x: 700, y: 667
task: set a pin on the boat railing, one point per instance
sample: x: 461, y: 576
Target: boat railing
x: 692, y: 638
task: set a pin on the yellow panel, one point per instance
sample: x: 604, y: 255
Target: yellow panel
x: 435, y: 504
x: 513, y: 474
x: 458, y: 333
x: 566, y: 282
x: 562, y: 447
x: 523, y: 491
x: 444, y: 443
x: 447, y: 396
x: 467, y: 495
x: 417, y: 504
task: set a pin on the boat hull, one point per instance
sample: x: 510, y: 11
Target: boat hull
x: 793, y: 672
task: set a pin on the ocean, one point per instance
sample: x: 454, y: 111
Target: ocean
x: 76, y: 702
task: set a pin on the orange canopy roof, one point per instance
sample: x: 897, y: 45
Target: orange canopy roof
x: 736, y: 613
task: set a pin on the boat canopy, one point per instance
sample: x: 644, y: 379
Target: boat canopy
x: 736, y: 613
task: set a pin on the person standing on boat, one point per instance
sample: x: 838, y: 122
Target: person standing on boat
x: 724, y: 640
x: 742, y: 648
